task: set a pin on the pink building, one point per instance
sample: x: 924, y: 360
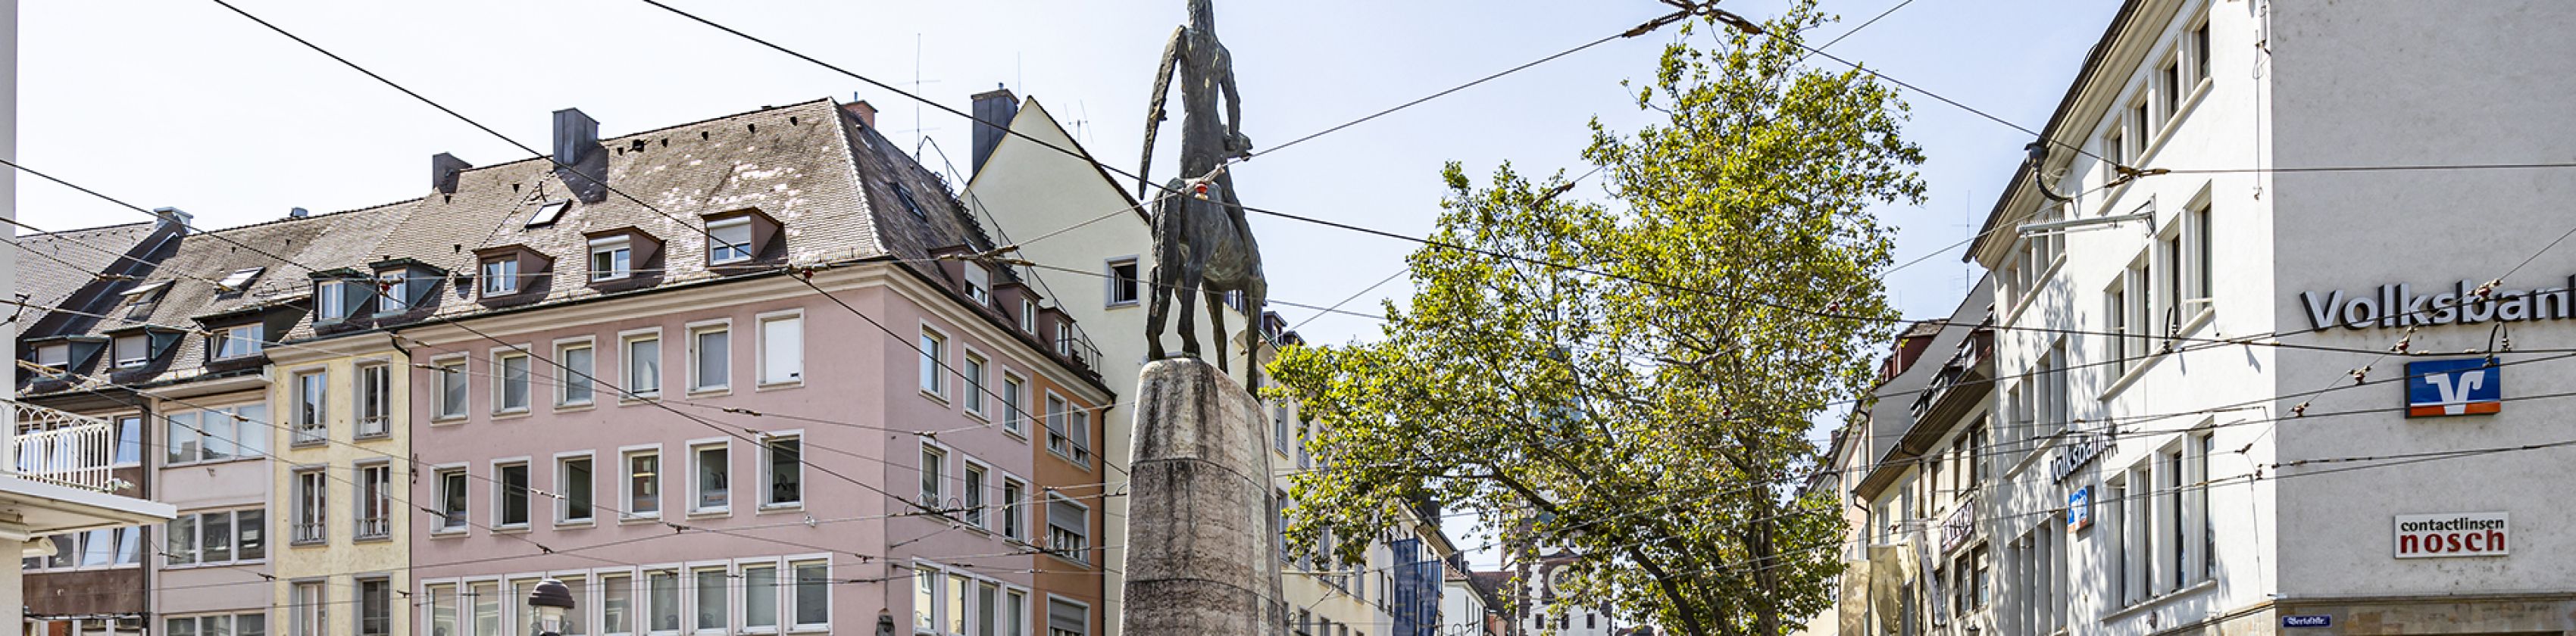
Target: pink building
x: 734, y: 391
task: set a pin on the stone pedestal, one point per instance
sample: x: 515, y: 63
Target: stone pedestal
x: 1201, y: 554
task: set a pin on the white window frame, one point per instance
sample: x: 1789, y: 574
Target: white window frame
x: 698, y: 330
x: 788, y: 614
x: 255, y: 334
x: 933, y: 358
x: 697, y: 610
x: 620, y: 253
x: 979, y: 283
x: 393, y: 292
x: 626, y: 382
x: 500, y: 359
x: 331, y: 300
x: 567, y: 375
x: 563, y: 488
x: 380, y: 423
x: 1015, y: 412
x: 311, y: 506
x: 973, y: 504
x: 501, y: 496
x: 769, y: 467
x: 445, y: 369
x: 742, y: 598
x: 716, y: 244
x: 626, y: 497
x: 1012, y: 518
x: 934, y: 479
x: 1051, y: 598
x: 697, y: 483
x: 384, y: 498
x: 1089, y: 543
x: 314, y: 428
x: 116, y: 351
x: 1110, y: 288
x: 680, y: 577
x: 500, y: 276
x: 972, y: 387
x: 762, y: 352
x: 1028, y: 316
x: 464, y: 519
x: 308, y: 607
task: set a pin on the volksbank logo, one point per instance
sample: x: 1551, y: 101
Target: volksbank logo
x: 2436, y: 388
x: 2400, y: 306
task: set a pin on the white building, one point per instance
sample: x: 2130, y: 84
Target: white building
x: 56, y: 474
x: 2201, y: 422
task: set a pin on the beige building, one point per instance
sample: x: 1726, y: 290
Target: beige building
x: 342, y: 437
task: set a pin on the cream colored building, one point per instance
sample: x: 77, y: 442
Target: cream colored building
x: 342, y: 558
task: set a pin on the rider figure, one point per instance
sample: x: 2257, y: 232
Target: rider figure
x: 1206, y: 72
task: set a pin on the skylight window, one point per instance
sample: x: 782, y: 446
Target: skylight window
x: 548, y: 213
x: 240, y: 279
x: 905, y: 194
x: 139, y: 303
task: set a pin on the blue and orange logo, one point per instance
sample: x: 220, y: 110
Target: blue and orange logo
x: 2437, y: 388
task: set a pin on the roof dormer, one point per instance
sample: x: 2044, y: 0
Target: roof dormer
x: 341, y: 294
x: 618, y: 255
x: 509, y: 272
x: 741, y: 237
x: 404, y: 285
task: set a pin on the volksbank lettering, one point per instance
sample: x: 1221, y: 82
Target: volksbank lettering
x: 2400, y: 306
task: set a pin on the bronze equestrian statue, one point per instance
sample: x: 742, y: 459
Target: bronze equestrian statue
x: 1201, y: 242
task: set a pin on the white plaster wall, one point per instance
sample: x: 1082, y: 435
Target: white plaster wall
x: 2381, y: 82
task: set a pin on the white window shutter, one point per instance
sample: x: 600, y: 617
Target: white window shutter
x: 782, y: 356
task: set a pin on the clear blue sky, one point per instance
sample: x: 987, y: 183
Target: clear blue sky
x: 181, y: 103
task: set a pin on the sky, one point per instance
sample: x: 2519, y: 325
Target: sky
x: 182, y: 103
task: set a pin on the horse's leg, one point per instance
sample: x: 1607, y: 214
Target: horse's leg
x: 1159, y: 304
x: 1256, y: 298
x: 1184, y: 290
x: 1216, y: 320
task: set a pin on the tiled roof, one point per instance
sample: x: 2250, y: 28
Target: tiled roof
x: 827, y: 179
x: 52, y: 265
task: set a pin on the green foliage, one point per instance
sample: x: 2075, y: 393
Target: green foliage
x: 1655, y: 430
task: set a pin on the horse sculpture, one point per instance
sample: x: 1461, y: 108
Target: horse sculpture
x: 1199, y: 248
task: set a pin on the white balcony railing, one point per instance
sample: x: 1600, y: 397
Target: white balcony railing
x: 61, y: 448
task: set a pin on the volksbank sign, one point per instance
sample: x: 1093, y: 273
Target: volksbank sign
x: 2404, y: 305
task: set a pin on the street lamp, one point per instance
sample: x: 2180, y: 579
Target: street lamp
x: 552, y: 599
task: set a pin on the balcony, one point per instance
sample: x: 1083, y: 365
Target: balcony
x: 60, y: 474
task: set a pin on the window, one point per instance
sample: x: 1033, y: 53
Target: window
x: 1058, y: 440
x: 548, y: 213
x: 2198, y: 253
x: 979, y: 284
x: 662, y: 598
x: 375, y: 607
x: 1080, y: 420
x: 2132, y: 314
x: 760, y: 597
x: 611, y: 258
x: 1279, y: 427
x: 92, y: 549
x: 375, y: 501
x: 2198, y: 39
x: 1029, y: 316
x: 393, y: 292
x: 729, y: 241
x: 1066, y: 618
x: 573, y: 623
x: 451, y: 500
x: 958, y: 612
x: 312, y: 505
x: 713, y: 477
x: 312, y: 393
x: 1068, y: 529
x: 573, y: 381
x: 709, y: 583
x: 2170, y: 530
x: 442, y: 610
x: 934, y: 349
x: 1015, y: 609
x: 306, y: 603
x: 451, y: 389
x: 133, y: 350
x: 239, y: 279
x: 512, y: 392
x: 1064, y: 338
x: 129, y: 441
x: 934, y: 474
x: 974, y: 389
x: 643, y: 484
x: 925, y: 601
x: 971, y: 484
x: 710, y: 358
x: 217, y: 537
x: 2139, y: 134
x: 234, y: 342
x: 616, y: 604
x: 2207, y: 445
x: 501, y: 277
x: 1014, y: 494
x: 782, y: 349
x: 218, y: 435
x: 510, y: 494
x: 1014, y: 395
x: 905, y: 195
x: 331, y: 300
x: 1124, y: 287
x: 572, y: 478
x: 487, y: 607
x: 643, y: 366
x: 813, y: 599
x: 55, y: 357
x: 375, y: 400
x: 2056, y: 405
x: 784, y: 471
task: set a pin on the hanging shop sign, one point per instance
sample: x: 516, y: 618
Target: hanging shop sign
x: 2440, y: 388
x: 2078, y: 451
x: 2401, y: 305
x: 2463, y: 534
x: 2079, y: 510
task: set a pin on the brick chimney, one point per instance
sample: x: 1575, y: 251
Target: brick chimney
x: 993, y: 113
x: 867, y: 114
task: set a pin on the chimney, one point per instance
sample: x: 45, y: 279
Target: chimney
x: 867, y: 114
x: 297, y: 213
x: 993, y: 113
x: 174, y: 216
x: 443, y: 169
x: 578, y: 157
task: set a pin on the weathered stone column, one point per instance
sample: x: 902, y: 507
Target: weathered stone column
x: 1201, y: 558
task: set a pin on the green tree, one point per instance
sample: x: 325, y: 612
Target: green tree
x: 1644, y: 409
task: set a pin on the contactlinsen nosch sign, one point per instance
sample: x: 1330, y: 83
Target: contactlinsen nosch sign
x: 2459, y: 534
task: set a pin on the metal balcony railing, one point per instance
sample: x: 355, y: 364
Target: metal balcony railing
x: 62, y: 448
x: 374, y: 527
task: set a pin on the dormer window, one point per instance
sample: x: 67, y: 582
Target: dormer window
x: 54, y: 356
x: 394, y: 295
x: 501, y: 277
x: 240, y: 279
x: 329, y: 301
x: 1029, y: 316
x: 729, y: 240
x: 132, y: 350
x: 548, y: 213
x: 140, y: 301
x: 611, y: 258
x: 239, y: 341
x: 979, y: 284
